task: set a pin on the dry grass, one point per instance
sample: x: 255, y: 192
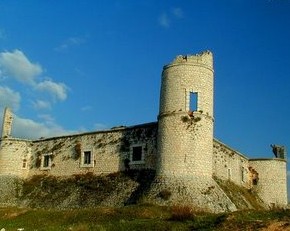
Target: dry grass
x: 181, y: 213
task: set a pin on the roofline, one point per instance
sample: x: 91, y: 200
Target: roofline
x: 237, y: 152
x: 113, y: 129
x: 268, y: 159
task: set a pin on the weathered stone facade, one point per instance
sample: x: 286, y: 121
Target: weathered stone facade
x: 180, y: 147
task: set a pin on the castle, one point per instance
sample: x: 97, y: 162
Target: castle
x: 180, y: 146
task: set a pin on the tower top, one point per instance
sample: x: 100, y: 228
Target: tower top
x: 204, y: 58
x: 7, y: 123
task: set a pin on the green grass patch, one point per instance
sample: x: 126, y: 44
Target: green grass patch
x: 137, y: 217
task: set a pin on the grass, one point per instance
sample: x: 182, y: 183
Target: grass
x: 137, y: 217
x: 241, y: 196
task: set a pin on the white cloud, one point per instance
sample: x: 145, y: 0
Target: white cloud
x: 57, y: 90
x: 29, y: 129
x: 9, y: 98
x: 16, y: 65
x: 40, y: 105
x: 164, y: 20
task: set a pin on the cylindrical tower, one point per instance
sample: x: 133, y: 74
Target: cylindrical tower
x: 185, y: 121
x: 271, y: 184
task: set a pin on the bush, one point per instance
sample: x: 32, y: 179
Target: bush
x: 181, y: 213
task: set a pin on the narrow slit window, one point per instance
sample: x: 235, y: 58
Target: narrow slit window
x: 229, y: 174
x: 46, y: 161
x: 87, y: 157
x: 193, y: 101
x: 24, y: 163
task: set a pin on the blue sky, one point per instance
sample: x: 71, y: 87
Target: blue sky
x: 72, y: 66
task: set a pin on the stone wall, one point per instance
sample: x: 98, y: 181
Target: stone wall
x: 107, y: 149
x: 64, y: 156
x: 14, y: 157
x: 229, y: 164
x: 271, y: 184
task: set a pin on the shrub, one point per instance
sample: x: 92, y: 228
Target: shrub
x: 181, y: 213
x: 185, y: 119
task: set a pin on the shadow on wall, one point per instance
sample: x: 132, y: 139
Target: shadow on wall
x: 137, y: 148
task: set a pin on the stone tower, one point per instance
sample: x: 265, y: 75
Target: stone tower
x: 185, y: 136
x: 185, y: 126
x: 7, y: 123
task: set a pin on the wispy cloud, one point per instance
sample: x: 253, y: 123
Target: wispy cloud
x: 41, y: 104
x: 70, y: 42
x: 9, y: 98
x: 86, y: 108
x: 166, y: 18
x: 177, y: 12
x: 99, y: 126
x: 56, y: 90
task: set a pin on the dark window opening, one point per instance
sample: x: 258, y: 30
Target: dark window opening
x: 137, y: 153
x: 193, y: 101
x: 46, y: 161
x: 24, y: 163
x: 229, y: 174
x: 87, y: 157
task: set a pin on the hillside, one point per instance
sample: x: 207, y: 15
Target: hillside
x: 89, y: 191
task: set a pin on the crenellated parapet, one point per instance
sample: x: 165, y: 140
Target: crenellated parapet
x: 204, y: 58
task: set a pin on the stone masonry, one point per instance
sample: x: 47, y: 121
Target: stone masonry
x: 180, y: 146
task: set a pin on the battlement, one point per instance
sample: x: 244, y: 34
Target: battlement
x: 204, y: 58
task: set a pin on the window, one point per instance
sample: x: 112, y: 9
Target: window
x: 137, y: 155
x: 46, y: 161
x: 243, y: 173
x: 24, y: 163
x: 193, y: 101
x: 229, y: 174
x: 87, y: 159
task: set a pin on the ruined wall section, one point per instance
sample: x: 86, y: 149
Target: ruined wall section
x: 108, y: 151
x: 271, y: 185
x: 229, y: 164
x: 14, y: 156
